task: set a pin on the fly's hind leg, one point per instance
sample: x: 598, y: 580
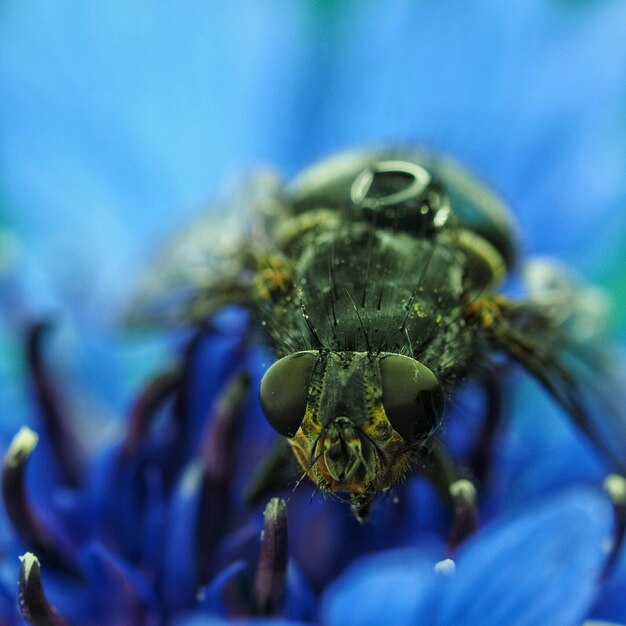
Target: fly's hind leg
x: 480, y: 455
x: 457, y: 492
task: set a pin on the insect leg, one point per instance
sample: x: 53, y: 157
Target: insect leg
x: 220, y: 292
x: 481, y: 454
x: 275, y: 470
x: 458, y: 493
x: 581, y: 378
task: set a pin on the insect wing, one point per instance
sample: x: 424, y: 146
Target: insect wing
x: 208, y: 255
x: 585, y: 379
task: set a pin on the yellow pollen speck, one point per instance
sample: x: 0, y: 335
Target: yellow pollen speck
x: 418, y: 310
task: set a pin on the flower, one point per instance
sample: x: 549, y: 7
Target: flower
x: 155, y: 529
x: 119, y: 123
x: 498, y: 577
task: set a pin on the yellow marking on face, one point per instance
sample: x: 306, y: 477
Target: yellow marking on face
x: 377, y: 426
x: 381, y: 472
x: 303, y: 442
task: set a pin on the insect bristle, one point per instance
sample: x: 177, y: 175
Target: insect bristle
x: 365, y: 335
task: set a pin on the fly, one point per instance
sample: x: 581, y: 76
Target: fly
x: 374, y: 277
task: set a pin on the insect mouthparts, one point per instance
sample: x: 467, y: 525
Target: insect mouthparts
x: 343, y: 451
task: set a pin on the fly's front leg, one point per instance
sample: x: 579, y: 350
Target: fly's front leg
x: 232, y: 286
x: 458, y: 493
x: 276, y: 469
x: 217, y: 295
x: 250, y: 281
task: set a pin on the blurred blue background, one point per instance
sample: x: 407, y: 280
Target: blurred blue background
x: 121, y: 120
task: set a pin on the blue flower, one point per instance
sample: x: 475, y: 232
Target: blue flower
x: 542, y: 566
x: 118, y: 123
x: 156, y: 530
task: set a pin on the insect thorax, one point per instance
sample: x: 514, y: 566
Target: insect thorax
x: 355, y: 287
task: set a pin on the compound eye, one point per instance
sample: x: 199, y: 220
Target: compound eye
x: 413, y: 398
x: 285, y: 391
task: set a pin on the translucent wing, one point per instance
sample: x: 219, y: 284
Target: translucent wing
x: 557, y: 334
x: 204, y: 265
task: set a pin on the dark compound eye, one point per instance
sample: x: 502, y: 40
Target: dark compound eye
x: 413, y: 398
x: 285, y: 391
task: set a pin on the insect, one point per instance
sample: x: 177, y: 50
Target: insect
x: 373, y: 276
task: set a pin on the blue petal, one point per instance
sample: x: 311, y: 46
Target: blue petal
x: 8, y: 606
x: 116, y: 591
x: 611, y: 602
x: 389, y: 588
x: 540, y: 568
x: 202, y: 620
x: 210, y: 598
x: 524, y: 464
x: 299, y: 599
x: 13, y: 398
x: 179, y: 577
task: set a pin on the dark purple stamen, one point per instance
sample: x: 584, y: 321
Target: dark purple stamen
x: 268, y: 591
x: 615, y: 486
x: 34, y: 605
x: 218, y: 444
x: 183, y: 401
x: 218, y: 454
x: 465, y: 521
x: 26, y: 523
x: 156, y: 393
x: 53, y: 419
